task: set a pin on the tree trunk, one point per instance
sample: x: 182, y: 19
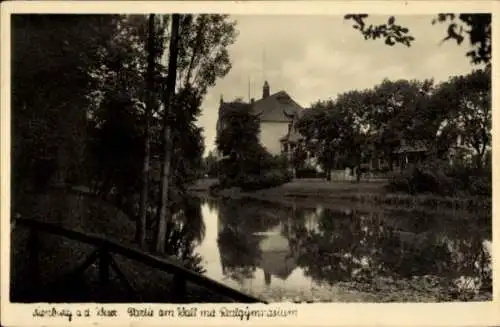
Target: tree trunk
x: 328, y: 173
x: 167, y: 135
x: 141, y: 222
x: 479, y: 161
x: 358, y: 170
x: 480, y: 156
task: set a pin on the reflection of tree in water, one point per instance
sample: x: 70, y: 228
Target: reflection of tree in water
x: 239, y: 247
x: 184, y: 232
x: 470, y: 258
x: 239, y: 253
x: 354, y: 246
x: 459, y: 237
x: 329, y: 252
x: 212, y: 204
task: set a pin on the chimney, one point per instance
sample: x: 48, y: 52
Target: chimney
x: 221, y: 100
x: 265, y: 90
x: 252, y: 100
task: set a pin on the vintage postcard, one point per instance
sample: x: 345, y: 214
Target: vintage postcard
x: 273, y: 163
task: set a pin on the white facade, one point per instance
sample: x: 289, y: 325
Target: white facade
x: 270, y: 135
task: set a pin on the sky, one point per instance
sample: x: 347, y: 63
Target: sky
x: 318, y: 57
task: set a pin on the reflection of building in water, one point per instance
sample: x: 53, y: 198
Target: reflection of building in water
x: 280, y: 245
x: 247, y: 245
x: 276, y: 258
x: 241, y: 254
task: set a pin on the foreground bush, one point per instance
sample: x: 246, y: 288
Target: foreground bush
x: 308, y: 173
x: 253, y: 182
x: 439, y: 178
x: 270, y: 179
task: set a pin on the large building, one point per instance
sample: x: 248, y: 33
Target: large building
x: 276, y: 111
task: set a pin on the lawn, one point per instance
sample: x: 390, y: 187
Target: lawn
x: 370, y: 192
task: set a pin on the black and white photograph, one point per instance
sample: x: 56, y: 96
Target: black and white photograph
x: 250, y: 158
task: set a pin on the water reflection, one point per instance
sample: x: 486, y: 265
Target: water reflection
x: 261, y: 247
x: 185, y: 232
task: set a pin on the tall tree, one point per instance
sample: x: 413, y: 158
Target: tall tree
x: 186, y: 137
x: 368, y: 124
x: 167, y: 134
x: 203, y: 50
x: 324, y: 129
x: 239, y: 142
x: 119, y: 87
x: 150, y: 104
x: 48, y: 119
x: 359, y: 132
x: 467, y: 100
x: 396, y: 112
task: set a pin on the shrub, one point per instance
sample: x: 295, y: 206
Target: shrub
x: 401, y: 182
x: 269, y: 179
x: 438, y: 177
x: 277, y: 162
x: 481, y: 186
x: 253, y: 182
x: 307, y: 173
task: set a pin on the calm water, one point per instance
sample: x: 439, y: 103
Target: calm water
x: 287, y: 252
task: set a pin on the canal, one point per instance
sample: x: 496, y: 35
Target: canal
x: 328, y: 252
x: 296, y: 251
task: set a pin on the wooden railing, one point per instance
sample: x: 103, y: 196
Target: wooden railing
x: 105, y: 261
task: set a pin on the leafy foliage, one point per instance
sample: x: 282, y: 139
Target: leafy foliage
x: 210, y: 166
x: 203, y: 50
x: 323, y: 128
x: 247, y: 164
x: 478, y: 28
x: 475, y: 27
x: 437, y: 177
x: 448, y: 121
x: 48, y: 118
x: 391, y: 32
x: 84, y: 125
x: 469, y: 113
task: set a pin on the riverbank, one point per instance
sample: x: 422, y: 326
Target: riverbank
x: 364, y: 192
x: 59, y: 256
x: 421, y: 289
x: 411, y: 256
x: 87, y: 215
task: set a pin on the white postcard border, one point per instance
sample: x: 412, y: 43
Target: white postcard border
x: 358, y: 314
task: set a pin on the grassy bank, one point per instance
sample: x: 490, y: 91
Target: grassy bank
x: 363, y: 192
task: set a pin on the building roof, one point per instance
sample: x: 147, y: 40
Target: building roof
x: 277, y: 107
x: 416, y: 146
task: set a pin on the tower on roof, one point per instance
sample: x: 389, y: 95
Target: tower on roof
x: 265, y: 90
